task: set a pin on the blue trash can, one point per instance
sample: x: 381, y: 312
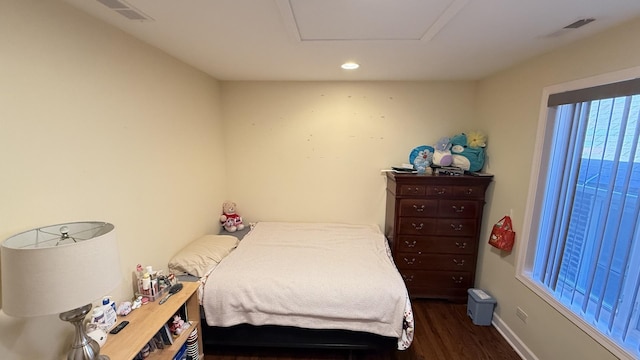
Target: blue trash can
x: 480, y: 306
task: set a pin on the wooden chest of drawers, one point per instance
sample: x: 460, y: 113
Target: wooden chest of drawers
x: 433, y: 224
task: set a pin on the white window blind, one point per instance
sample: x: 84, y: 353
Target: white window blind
x: 588, y: 247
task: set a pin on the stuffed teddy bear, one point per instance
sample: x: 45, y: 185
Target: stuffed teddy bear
x: 229, y: 219
x: 177, y: 326
x: 465, y: 156
x: 442, y: 152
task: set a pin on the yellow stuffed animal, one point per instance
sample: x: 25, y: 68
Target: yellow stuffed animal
x: 476, y: 139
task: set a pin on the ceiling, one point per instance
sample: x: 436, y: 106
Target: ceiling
x: 390, y: 39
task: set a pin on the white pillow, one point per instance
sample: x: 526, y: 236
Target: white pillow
x: 200, y: 255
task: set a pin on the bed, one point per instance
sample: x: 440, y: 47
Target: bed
x: 304, y: 285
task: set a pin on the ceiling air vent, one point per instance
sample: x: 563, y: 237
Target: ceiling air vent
x: 569, y: 28
x: 126, y: 10
x: 579, y: 23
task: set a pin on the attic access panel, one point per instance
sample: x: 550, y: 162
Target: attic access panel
x: 340, y: 20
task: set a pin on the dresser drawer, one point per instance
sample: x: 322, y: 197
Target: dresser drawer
x: 435, y: 244
x: 417, y: 226
x: 454, y: 262
x: 439, y: 190
x: 436, y: 279
x: 418, y: 207
x: 468, y: 191
x: 456, y: 294
x: 417, y: 190
x: 458, y: 209
x: 456, y: 227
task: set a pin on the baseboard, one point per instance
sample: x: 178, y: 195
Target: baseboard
x: 513, y: 340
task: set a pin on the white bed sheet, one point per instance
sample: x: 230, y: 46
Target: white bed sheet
x: 310, y: 275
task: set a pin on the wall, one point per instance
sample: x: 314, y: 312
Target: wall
x: 508, y: 107
x: 95, y: 125
x: 313, y: 151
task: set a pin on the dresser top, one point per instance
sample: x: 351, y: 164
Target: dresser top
x: 453, y: 179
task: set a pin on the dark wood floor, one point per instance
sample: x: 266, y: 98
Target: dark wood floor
x: 443, y: 331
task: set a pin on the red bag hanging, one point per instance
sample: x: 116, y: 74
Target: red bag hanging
x: 502, y: 235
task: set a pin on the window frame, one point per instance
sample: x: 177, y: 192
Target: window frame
x: 527, y: 248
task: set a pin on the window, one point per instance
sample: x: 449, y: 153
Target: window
x: 583, y: 253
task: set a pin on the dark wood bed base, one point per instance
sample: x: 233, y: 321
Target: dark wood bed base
x: 246, y: 335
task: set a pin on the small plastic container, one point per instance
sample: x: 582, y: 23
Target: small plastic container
x: 150, y: 286
x: 480, y: 307
x: 153, y: 294
x: 98, y: 316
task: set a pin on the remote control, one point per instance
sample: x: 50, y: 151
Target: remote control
x: 119, y: 327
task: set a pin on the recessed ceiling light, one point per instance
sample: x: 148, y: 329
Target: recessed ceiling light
x: 350, y: 66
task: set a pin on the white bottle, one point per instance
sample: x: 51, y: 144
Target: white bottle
x: 110, y: 316
x: 146, y: 282
x: 107, y: 301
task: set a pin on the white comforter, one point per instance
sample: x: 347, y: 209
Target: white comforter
x: 319, y: 276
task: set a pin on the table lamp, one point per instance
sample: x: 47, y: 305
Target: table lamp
x: 61, y: 269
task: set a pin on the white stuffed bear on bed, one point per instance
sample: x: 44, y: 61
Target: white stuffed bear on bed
x: 230, y: 220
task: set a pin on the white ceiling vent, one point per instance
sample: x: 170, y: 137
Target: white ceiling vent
x: 579, y: 23
x: 569, y: 28
x: 126, y: 10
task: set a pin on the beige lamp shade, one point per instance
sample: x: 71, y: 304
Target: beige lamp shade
x: 58, y: 268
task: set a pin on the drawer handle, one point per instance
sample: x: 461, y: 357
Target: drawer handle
x: 418, y: 227
x: 418, y: 209
x: 456, y: 227
x: 469, y: 191
x: 410, y: 244
x: 410, y: 262
x: 459, y: 263
x: 455, y: 208
x: 458, y: 280
x: 407, y: 278
x: 461, y: 245
x: 413, y: 190
x: 440, y: 191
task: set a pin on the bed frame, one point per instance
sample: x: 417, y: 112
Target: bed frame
x: 246, y: 335
x: 289, y: 336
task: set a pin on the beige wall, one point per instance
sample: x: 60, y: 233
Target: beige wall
x: 97, y: 126
x: 508, y: 108
x: 313, y: 151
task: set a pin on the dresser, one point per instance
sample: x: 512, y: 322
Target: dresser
x: 433, y: 225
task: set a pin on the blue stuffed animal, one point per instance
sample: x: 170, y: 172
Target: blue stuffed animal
x: 464, y: 156
x: 421, y: 158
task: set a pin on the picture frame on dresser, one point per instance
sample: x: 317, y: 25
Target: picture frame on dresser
x: 432, y: 223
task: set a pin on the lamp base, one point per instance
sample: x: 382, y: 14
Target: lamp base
x: 83, y: 347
